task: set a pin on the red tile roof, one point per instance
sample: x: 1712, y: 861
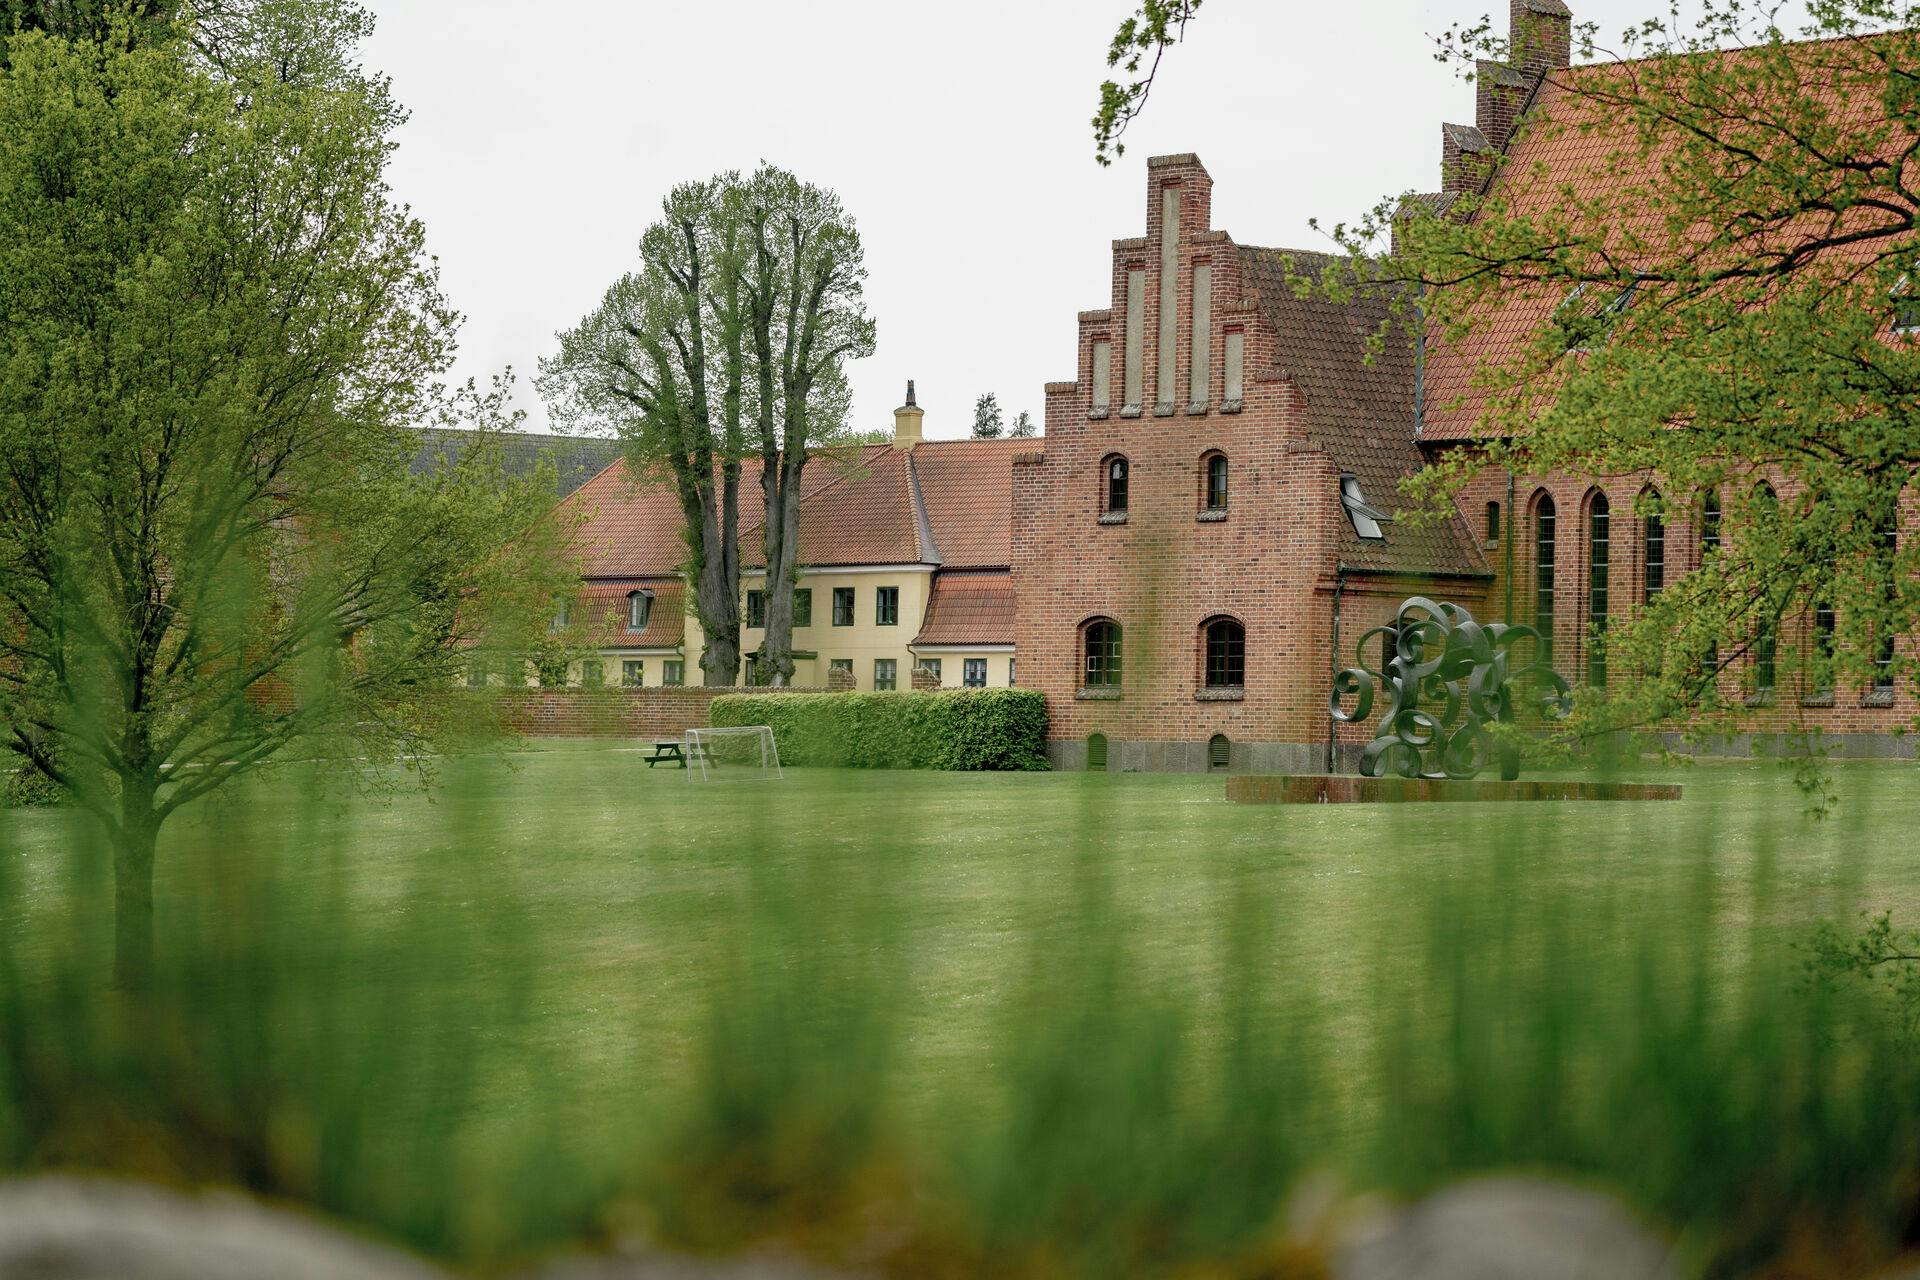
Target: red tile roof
x: 857, y: 507
x: 602, y: 606
x: 968, y: 609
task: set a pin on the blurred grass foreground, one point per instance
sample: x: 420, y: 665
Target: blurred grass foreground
x: 955, y: 1025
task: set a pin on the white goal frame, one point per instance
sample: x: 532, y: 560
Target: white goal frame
x: 698, y: 749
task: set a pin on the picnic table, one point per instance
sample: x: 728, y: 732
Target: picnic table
x: 667, y: 749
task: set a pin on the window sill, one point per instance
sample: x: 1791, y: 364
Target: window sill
x: 1096, y: 693
x: 1197, y: 409
x: 1113, y: 517
x: 1817, y: 700
x: 1130, y: 411
x: 1097, y: 414
x: 1223, y: 693
x: 1211, y: 515
x: 1163, y: 410
x: 1231, y: 406
x: 1760, y: 699
x: 1877, y: 698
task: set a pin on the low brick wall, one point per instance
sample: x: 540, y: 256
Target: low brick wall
x: 615, y: 712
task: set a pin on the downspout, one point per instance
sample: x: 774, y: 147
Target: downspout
x: 1333, y: 658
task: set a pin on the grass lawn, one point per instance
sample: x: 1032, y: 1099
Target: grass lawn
x: 586, y: 923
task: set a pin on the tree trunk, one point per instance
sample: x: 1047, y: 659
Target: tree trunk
x: 133, y: 890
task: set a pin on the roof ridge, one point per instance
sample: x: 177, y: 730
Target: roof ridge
x: 922, y: 527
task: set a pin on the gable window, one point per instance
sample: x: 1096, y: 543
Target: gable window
x: 1493, y: 524
x: 1653, y: 537
x: 975, y: 673
x: 1543, y: 549
x: 1366, y: 517
x: 639, y: 609
x: 884, y: 672
x: 1100, y: 646
x: 1906, y: 307
x: 673, y: 672
x: 1114, y: 471
x: 843, y: 606
x: 803, y: 606
x: 756, y: 608
x: 1226, y: 643
x: 633, y: 672
x: 886, y: 606
x: 1214, y: 481
x: 1599, y: 548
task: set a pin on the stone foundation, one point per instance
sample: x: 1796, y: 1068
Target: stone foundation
x: 1348, y: 789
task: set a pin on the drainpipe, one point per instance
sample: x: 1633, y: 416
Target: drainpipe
x: 1333, y: 658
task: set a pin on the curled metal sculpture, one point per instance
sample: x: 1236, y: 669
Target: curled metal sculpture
x: 1464, y: 673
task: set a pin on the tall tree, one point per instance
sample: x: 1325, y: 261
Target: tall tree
x: 986, y: 417
x: 215, y: 327
x: 728, y: 344
x: 663, y: 359
x: 1023, y: 428
x: 807, y: 317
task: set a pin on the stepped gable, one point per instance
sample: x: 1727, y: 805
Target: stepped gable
x: 1360, y: 410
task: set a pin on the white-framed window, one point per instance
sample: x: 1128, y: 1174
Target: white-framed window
x: 975, y: 673
x: 885, y: 673
x: 639, y: 610
x: 673, y: 672
x: 633, y: 672
x: 886, y: 606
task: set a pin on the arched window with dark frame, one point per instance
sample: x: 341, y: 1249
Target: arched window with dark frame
x: 1226, y: 653
x: 1100, y: 650
x: 1213, y: 481
x: 1113, y: 485
x: 1543, y: 552
x: 1599, y: 572
x: 1653, y: 549
x: 1766, y: 641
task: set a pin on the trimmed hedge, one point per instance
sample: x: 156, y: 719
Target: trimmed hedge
x: 969, y: 729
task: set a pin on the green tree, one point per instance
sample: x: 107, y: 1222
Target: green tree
x: 806, y: 318
x: 728, y: 343
x: 1023, y: 428
x: 986, y: 417
x: 215, y: 326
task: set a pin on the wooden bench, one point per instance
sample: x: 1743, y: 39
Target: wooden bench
x: 667, y: 749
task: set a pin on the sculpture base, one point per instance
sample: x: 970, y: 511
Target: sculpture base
x: 1349, y: 789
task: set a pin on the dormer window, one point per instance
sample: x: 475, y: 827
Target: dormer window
x: 1366, y: 517
x: 639, y: 609
x: 1906, y: 307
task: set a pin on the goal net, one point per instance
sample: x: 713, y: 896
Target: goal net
x: 739, y: 752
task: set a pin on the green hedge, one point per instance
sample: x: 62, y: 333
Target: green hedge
x: 961, y: 729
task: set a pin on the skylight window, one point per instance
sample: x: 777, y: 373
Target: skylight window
x: 1366, y: 517
x: 1588, y: 314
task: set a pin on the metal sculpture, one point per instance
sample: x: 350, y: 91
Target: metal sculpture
x: 1464, y: 671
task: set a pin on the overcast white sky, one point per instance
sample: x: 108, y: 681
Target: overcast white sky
x: 543, y: 138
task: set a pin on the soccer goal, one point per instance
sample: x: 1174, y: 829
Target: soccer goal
x: 739, y: 752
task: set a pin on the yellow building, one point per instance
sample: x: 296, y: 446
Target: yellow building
x: 904, y: 562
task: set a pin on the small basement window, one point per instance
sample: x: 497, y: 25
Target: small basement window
x: 1219, y: 753
x: 1366, y: 517
x: 1097, y: 752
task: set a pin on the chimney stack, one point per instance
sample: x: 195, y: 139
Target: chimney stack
x: 906, y: 421
x: 1541, y: 35
x: 1466, y: 157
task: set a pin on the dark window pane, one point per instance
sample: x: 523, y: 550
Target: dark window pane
x: 1116, y: 484
x: 886, y: 606
x: 843, y: 606
x: 1599, y: 556
x: 1656, y: 551
x: 1217, y: 482
x: 1103, y: 654
x: 803, y: 606
x: 1543, y: 551
x: 1226, y: 654
x: 756, y: 608
x: 976, y: 673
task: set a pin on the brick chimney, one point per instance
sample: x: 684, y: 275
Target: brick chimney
x: 906, y: 421
x: 1541, y: 35
x: 1466, y: 157
x: 1500, y: 93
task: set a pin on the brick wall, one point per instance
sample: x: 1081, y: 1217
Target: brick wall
x: 614, y: 712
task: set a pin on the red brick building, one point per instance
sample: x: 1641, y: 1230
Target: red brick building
x: 1208, y: 527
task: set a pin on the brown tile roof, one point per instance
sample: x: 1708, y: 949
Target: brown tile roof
x: 1361, y: 413
x: 1578, y: 150
x: 602, y: 607
x: 968, y: 608
x: 968, y: 490
x: 859, y: 506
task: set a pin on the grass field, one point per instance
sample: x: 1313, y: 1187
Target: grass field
x: 559, y: 959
